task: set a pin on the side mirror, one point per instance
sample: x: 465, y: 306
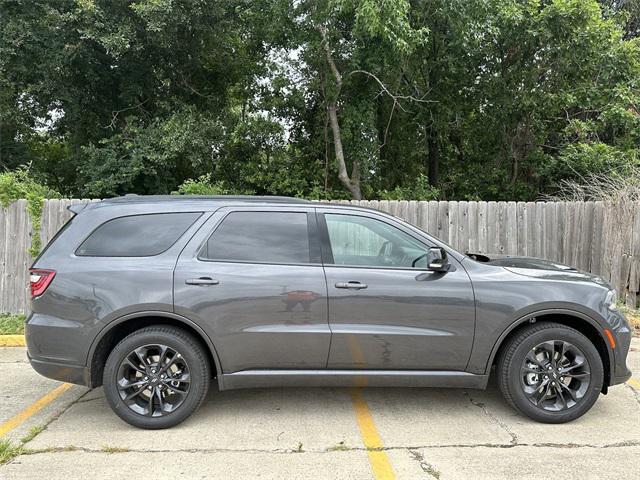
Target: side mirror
x: 437, y: 260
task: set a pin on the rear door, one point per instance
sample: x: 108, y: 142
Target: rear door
x: 386, y: 310
x: 253, y: 279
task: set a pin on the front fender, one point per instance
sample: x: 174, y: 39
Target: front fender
x: 567, y: 312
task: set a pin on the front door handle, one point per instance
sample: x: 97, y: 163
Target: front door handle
x: 201, y: 281
x: 351, y: 285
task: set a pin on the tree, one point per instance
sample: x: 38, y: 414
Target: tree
x: 486, y: 99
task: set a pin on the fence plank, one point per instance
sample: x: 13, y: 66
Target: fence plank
x: 597, y: 235
x: 472, y: 215
x: 511, y: 229
x: 549, y: 247
x: 483, y: 238
x: 492, y: 229
x: 433, y: 218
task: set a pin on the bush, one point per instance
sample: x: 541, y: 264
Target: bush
x: 204, y: 185
x: 420, y: 190
x: 19, y: 184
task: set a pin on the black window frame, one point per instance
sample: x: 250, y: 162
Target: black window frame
x: 84, y: 255
x: 315, y: 249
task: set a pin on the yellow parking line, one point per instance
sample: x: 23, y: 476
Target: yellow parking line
x: 378, y: 458
x: 32, y: 409
x: 634, y: 383
x: 12, y: 341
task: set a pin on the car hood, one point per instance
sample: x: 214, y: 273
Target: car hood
x: 541, y: 268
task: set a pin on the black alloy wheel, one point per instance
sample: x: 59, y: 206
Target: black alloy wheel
x: 550, y: 372
x: 153, y: 380
x: 156, y: 377
x: 555, y: 375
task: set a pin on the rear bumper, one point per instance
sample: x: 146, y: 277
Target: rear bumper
x: 60, y: 371
x: 57, y: 348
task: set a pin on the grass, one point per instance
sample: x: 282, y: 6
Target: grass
x: 33, y: 432
x: 112, y: 449
x: 340, y: 447
x: 633, y: 315
x: 11, y: 324
x: 8, y: 451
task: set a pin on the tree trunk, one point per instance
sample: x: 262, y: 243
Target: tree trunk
x: 352, y: 184
x: 433, y: 158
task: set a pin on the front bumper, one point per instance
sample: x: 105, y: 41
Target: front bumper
x: 622, y: 334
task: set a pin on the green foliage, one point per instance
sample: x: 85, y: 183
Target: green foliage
x: 11, y: 324
x: 484, y: 99
x: 205, y: 186
x: 420, y: 190
x: 19, y: 184
x: 8, y: 451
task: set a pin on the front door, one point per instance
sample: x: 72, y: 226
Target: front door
x: 253, y: 279
x: 386, y: 310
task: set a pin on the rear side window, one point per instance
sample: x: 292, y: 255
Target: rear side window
x: 137, y: 235
x: 263, y: 237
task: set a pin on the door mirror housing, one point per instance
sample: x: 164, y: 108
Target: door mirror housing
x: 437, y: 260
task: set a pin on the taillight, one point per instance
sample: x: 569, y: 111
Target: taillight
x: 40, y: 280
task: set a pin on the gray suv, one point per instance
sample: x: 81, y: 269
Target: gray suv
x: 153, y: 297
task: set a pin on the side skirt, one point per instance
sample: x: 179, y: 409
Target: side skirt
x: 351, y: 378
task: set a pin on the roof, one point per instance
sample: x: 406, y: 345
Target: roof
x: 133, y: 198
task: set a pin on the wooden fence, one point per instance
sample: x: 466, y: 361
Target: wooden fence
x: 592, y: 236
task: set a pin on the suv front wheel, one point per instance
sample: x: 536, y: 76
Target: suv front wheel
x: 550, y: 372
x: 156, y: 377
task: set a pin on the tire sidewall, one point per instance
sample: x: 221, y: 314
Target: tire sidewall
x: 596, y: 377
x: 198, y: 370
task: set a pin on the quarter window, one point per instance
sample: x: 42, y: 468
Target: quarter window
x: 364, y: 241
x: 137, y: 235
x: 261, y: 237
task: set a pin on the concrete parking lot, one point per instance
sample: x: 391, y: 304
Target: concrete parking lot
x: 315, y: 433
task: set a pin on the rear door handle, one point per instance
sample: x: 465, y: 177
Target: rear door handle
x: 351, y: 285
x: 201, y: 281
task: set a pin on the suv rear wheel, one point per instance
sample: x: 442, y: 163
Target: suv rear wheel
x: 156, y: 377
x: 550, y: 372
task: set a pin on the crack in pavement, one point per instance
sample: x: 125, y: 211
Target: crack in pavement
x: 89, y: 399
x: 424, y: 465
x: 500, y: 423
x: 55, y: 417
x: 634, y: 392
x: 112, y: 450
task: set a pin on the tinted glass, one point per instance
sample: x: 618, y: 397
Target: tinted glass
x: 363, y: 241
x: 271, y: 237
x: 137, y: 235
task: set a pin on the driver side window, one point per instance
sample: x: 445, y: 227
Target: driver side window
x: 364, y: 241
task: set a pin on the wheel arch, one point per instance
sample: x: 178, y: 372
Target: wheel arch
x: 116, y: 330
x: 571, y: 318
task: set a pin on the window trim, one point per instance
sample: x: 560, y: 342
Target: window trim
x: 80, y: 255
x: 315, y: 248
x: 327, y: 250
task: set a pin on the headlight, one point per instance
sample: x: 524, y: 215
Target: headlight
x: 611, y: 300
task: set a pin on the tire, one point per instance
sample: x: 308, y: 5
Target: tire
x: 185, y: 360
x: 522, y: 389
